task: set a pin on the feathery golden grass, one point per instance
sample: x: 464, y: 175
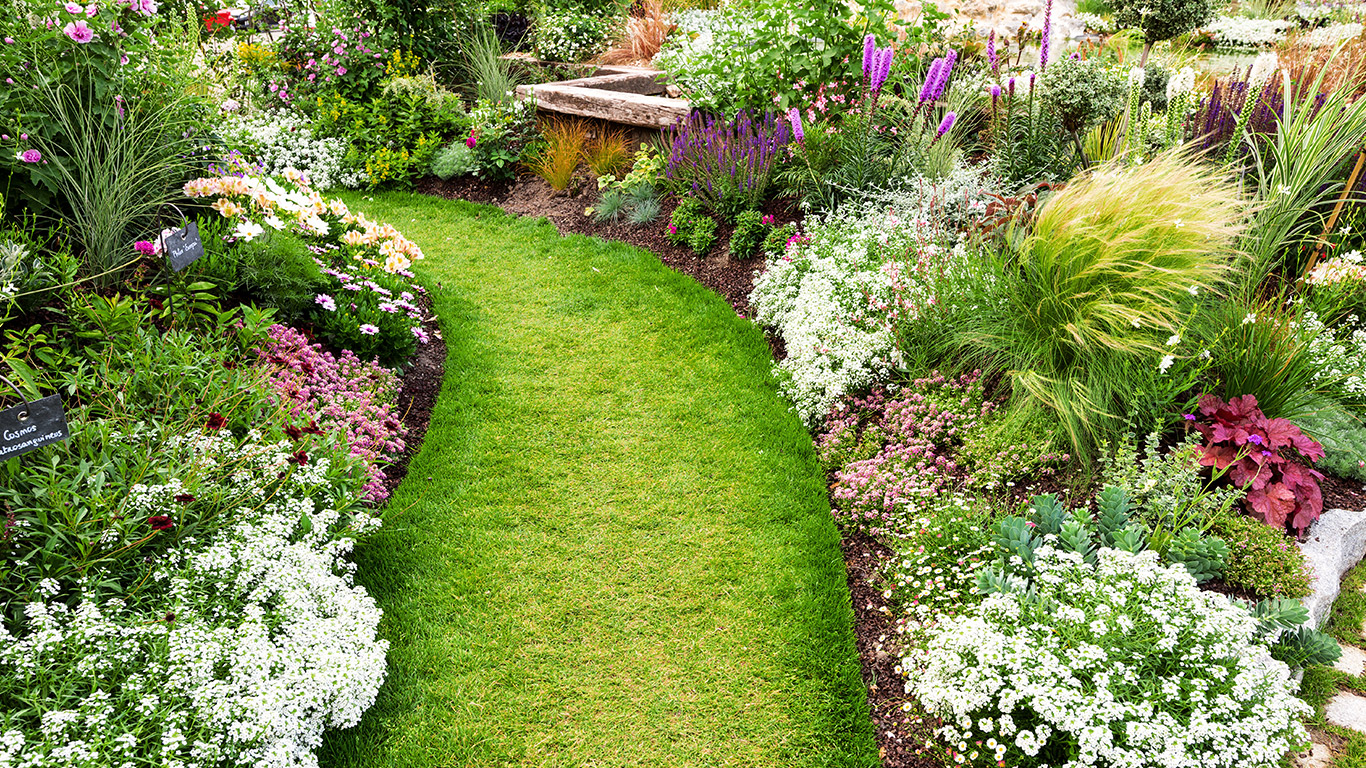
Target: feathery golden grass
x: 607, y: 153
x: 557, y: 160
x: 646, y: 29
x: 1092, y: 294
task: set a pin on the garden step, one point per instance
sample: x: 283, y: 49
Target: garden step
x: 1347, y: 710
x: 1352, y: 661
x: 1318, y: 756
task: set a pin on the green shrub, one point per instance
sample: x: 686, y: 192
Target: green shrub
x: 1261, y: 559
x: 1082, y: 92
x: 1343, y: 437
x: 278, y: 271
x: 456, y: 159
x: 1161, y: 19
x: 703, y: 235
x: 775, y: 242
x: 570, y: 35
x: 503, y: 132
x: 751, y: 228
x: 690, y: 226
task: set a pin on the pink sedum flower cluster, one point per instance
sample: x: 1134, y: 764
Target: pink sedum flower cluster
x: 343, y: 395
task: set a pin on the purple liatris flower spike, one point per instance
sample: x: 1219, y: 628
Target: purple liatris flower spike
x: 1047, y: 33
x: 931, y: 77
x: 942, y: 76
x: 869, y: 46
x: 995, y: 92
x: 991, y: 50
x: 794, y: 116
x: 882, y: 61
x: 946, y: 124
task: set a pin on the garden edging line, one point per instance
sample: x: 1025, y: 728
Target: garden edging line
x: 1336, y: 543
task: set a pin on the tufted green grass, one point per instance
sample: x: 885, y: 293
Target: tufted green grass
x: 615, y: 546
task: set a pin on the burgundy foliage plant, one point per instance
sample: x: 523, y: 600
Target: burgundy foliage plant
x: 1270, y: 458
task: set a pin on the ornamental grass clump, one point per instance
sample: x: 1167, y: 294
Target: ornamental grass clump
x: 558, y: 158
x: 1088, y: 300
x: 1122, y: 663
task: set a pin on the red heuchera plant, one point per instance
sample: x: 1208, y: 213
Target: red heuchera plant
x: 1261, y: 455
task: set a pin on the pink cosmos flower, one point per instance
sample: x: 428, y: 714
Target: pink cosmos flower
x: 79, y: 32
x: 74, y: 8
x: 326, y: 302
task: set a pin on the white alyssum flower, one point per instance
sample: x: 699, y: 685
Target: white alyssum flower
x: 1165, y: 675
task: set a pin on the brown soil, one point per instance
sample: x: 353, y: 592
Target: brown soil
x: 1340, y: 493
x: 732, y: 278
x: 901, y: 734
x: 418, y: 390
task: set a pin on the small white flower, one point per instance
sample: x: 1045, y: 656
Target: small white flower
x: 1250, y: 317
x: 1166, y: 363
x: 1174, y: 340
x: 248, y: 230
x: 1194, y: 290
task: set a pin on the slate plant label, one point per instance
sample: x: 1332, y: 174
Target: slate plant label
x: 45, y: 424
x: 183, y: 247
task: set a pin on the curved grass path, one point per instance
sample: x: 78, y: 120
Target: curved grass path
x: 624, y: 555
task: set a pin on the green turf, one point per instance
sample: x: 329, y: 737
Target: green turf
x: 615, y: 547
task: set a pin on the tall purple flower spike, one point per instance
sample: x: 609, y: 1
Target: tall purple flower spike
x: 942, y: 76
x: 1047, y: 34
x: 882, y: 62
x: 794, y: 116
x: 991, y: 51
x: 869, y: 47
x: 931, y: 77
x: 946, y: 124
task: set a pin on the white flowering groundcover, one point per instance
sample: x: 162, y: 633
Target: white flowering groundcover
x: 1124, y: 663
x: 237, y: 651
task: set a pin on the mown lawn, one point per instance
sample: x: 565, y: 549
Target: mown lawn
x: 615, y: 547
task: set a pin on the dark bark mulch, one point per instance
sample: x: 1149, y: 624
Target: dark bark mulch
x: 901, y: 735
x: 1341, y: 493
x: 418, y: 390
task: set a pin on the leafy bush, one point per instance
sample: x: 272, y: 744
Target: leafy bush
x: 1124, y: 662
x: 747, y: 54
x: 279, y: 272
x: 726, y: 164
x: 1257, y: 453
x: 1262, y: 559
x: 1161, y: 20
x: 751, y: 228
x: 327, y: 61
x: 1093, y: 292
x: 1168, y: 489
x: 689, y: 226
x: 501, y: 132
x: 570, y: 34
x: 456, y: 159
x: 1082, y: 92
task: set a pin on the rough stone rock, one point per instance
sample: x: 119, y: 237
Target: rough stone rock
x: 1318, y: 756
x: 1352, y: 661
x: 1336, y: 542
x: 1347, y: 710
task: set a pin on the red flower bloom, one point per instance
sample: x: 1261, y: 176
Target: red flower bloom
x: 298, y: 457
x: 160, y: 523
x: 312, y: 428
x: 293, y: 433
x: 216, y: 422
x: 183, y: 498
